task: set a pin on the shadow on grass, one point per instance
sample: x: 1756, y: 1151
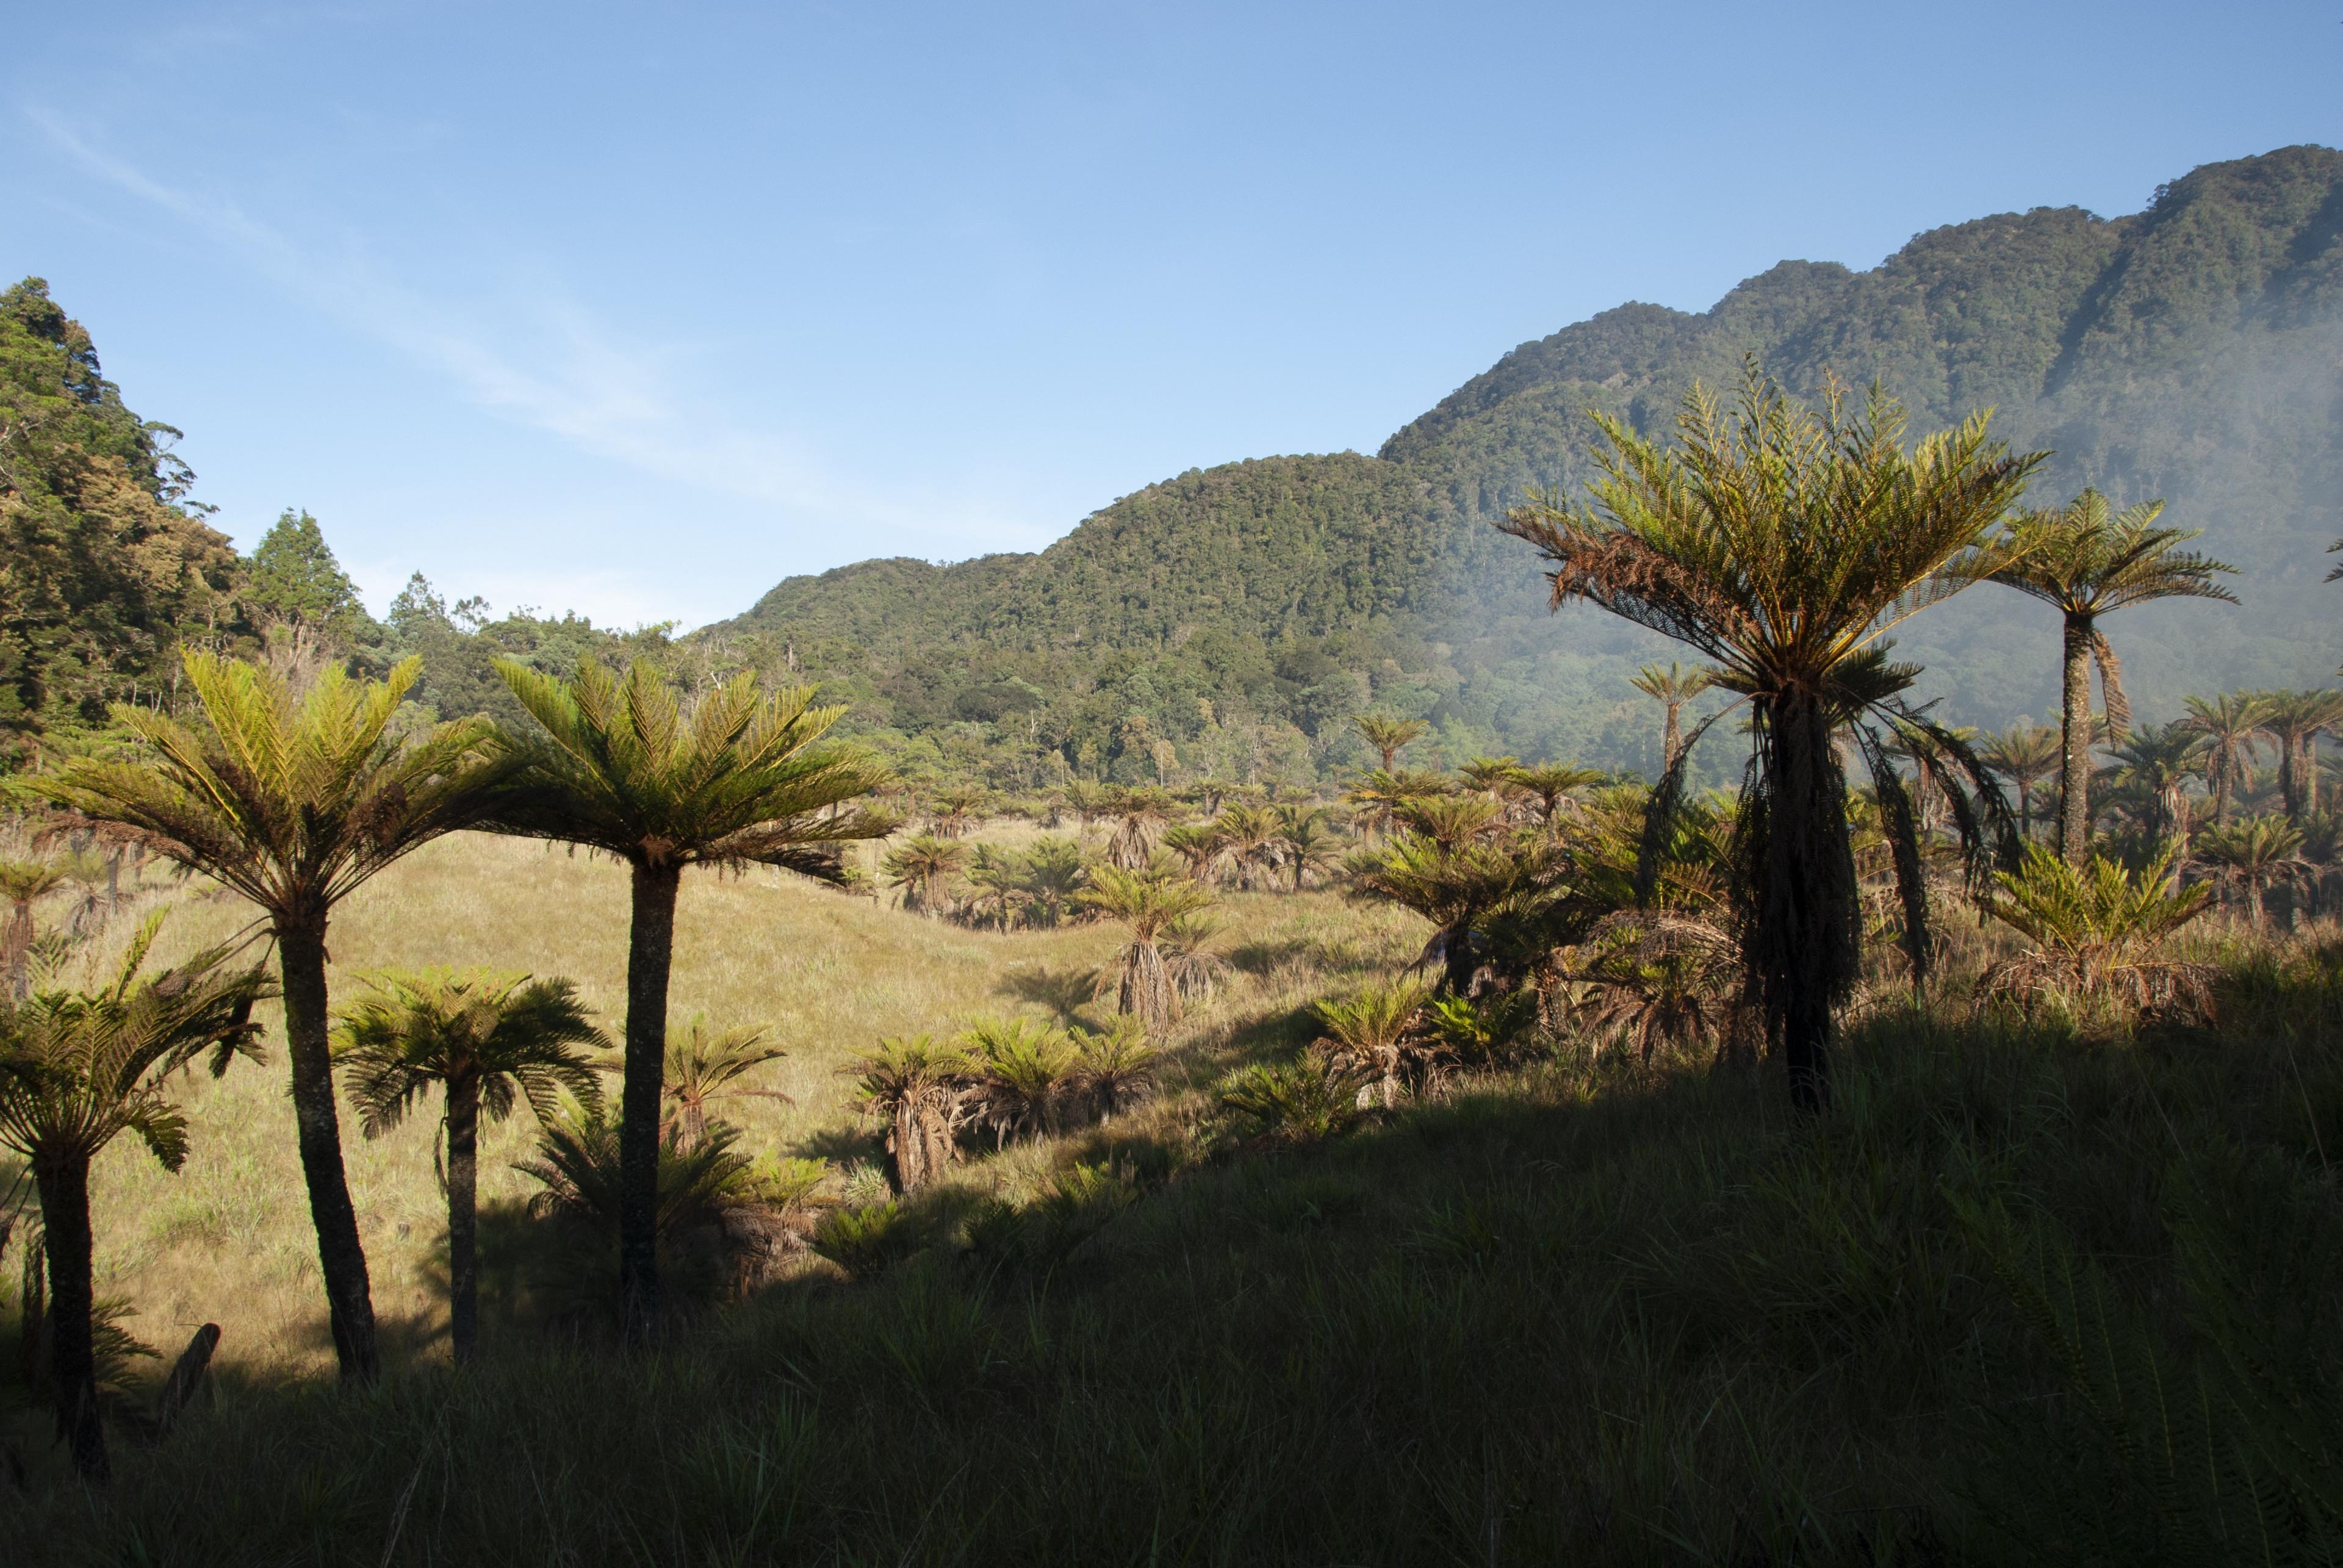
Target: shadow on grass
x: 1585, y: 1311
x: 1064, y: 993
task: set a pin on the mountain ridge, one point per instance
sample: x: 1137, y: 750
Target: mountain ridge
x: 2193, y: 350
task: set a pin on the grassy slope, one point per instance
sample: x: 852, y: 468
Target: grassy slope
x: 1588, y: 1313
x: 227, y: 1239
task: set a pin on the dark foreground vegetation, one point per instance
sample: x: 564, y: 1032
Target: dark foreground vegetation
x: 2024, y: 1294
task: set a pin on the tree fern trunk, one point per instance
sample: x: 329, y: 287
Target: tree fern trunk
x: 650, y: 955
x: 341, y: 1256
x: 20, y: 949
x: 2074, y: 753
x: 63, y: 1185
x: 463, y: 1217
x: 1805, y: 931
x: 1456, y: 956
x: 1146, y: 989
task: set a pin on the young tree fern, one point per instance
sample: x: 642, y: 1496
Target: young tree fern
x: 1371, y: 1031
x: 923, y: 867
x: 918, y: 1088
x: 708, y: 1064
x: 78, y: 1069
x: 23, y: 884
x: 1148, y: 903
x: 1452, y: 863
x: 2096, y: 932
x: 487, y: 1041
x: 2251, y: 857
x: 2087, y: 560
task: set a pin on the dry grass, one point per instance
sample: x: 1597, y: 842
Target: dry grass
x: 227, y: 1239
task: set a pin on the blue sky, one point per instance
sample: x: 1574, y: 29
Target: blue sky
x: 637, y: 309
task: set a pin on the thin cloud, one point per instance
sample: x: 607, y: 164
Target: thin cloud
x: 575, y: 379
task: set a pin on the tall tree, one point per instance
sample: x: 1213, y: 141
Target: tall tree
x: 737, y: 778
x: 2230, y: 732
x: 1388, y: 735
x: 77, y: 1070
x: 105, y: 564
x: 2025, y: 755
x: 485, y: 1040
x: 2087, y: 560
x: 296, y: 581
x: 293, y: 801
x: 1672, y: 689
x: 1782, y: 544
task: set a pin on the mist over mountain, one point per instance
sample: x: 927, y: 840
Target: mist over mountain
x: 2193, y: 352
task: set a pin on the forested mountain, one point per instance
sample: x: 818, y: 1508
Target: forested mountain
x: 2193, y: 352
x: 103, y: 569
x: 108, y: 567
x: 1233, y: 620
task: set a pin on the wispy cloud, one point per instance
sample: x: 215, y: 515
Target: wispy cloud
x: 551, y: 365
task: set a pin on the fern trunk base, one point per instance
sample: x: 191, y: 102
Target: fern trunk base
x: 63, y: 1185
x: 650, y: 958
x: 341, y: 1255
x: 1805, y: 936
x: 463, y: 1220
x: 2075, y: 745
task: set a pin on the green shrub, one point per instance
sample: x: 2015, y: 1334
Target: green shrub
x: 865, y: 1242
x: 1297, y: 1103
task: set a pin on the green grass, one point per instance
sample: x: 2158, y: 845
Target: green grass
x: 2003, y: 1303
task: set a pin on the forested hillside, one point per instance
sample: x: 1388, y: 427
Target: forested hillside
x: 107, y: 566
x: 2192, y: 352
x: 1233, y: 618
x: 103, y: 569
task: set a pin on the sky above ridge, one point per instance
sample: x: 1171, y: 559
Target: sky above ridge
x: 637, y: 309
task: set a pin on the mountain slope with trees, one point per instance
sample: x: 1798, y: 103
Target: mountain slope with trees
x: 2192, y: 352
x: 104, y: 567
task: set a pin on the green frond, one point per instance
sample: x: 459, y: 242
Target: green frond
x: 2088, y: 559
x: 739, y: 777
x: 291, y: 803
x: 504, y: 1035
x: 78, y: 1068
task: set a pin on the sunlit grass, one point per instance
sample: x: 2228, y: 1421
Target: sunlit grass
x: 227, y: 1239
